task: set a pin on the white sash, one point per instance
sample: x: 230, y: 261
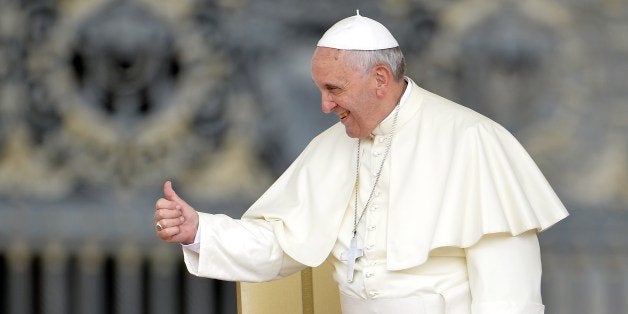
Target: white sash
x: 424, y: 304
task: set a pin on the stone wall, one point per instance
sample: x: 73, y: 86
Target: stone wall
x: 102, y: 100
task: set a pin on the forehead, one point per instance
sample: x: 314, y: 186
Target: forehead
x: 326, y: 57
x: 326, y: 54
x: 328, y: 63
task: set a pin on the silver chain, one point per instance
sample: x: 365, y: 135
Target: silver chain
x: 357, y: 220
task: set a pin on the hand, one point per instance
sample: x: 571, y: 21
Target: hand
x: 178, y: 220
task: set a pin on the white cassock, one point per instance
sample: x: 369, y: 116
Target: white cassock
x: 451, y: 227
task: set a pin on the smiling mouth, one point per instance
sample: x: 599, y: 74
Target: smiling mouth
x: 343, y: 115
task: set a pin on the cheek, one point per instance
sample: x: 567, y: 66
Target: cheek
x: 361, y: 105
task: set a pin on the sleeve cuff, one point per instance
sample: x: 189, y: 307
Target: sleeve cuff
x: 196, y: 245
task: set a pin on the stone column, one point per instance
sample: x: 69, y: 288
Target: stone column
x: 19, y: 257
x: 54, y: 268
x: 128, y: 280
x: 199, y: 295
x: 90, y: 295
x: 164, y: 293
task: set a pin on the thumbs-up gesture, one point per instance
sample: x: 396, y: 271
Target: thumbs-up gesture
x: 175, y: 219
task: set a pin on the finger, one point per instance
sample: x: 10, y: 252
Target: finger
x: 167, y: 214
x: 166, y: 204
x: 170, y: 222
x: 167, y: 233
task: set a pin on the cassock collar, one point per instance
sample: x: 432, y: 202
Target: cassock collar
x: 405, y: 112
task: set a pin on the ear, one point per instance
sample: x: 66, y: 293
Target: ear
x: 383, y: 78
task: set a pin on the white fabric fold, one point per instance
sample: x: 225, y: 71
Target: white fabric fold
x: 424, y: 304
x: 501, y: 307
x: 464, y: 176
x: 455, y: 176
x: 235, y: 250
x: 306, y: 204
x: 505, y: 274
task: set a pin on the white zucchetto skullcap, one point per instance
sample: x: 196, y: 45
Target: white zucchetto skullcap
x: 358, y: 33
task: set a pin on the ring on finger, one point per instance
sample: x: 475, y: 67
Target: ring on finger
x: 159, y: 227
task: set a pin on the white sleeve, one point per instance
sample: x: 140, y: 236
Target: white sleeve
x: 238, y: 250
x: 505, y: 274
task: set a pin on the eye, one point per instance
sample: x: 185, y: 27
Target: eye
x: 333, y: 89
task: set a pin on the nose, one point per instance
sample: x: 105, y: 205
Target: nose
x: 327, y: 104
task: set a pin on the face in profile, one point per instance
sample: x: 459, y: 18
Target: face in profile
x: 346, y: 91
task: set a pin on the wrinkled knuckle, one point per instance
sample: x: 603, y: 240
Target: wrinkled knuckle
x: 159, y: 202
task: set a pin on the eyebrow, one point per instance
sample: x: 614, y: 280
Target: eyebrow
x: 331, y: 85
x: 341, y: 85
x: 326, y: 85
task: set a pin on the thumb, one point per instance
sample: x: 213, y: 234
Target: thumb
x: 170, y: 194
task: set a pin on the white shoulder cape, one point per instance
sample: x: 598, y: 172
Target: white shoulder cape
x: 455, y: 176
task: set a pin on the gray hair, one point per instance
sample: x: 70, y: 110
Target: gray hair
x: 367, y: 59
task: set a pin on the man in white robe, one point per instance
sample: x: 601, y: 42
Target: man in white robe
x: 440, y: 204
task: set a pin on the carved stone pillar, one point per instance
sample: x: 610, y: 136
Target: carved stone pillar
x: 19, y: 286
x: 90, y: 280
x: 54, y: 268
x: 128, y: 280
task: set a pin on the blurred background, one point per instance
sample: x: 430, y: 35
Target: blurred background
x: 103, y: 100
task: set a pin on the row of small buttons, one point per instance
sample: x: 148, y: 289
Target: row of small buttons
x: 373, y: 208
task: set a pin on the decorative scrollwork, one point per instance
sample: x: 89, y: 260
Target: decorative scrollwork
x: 123, y: 94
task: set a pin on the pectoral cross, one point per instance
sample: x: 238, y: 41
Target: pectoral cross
x: 351, y: 255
